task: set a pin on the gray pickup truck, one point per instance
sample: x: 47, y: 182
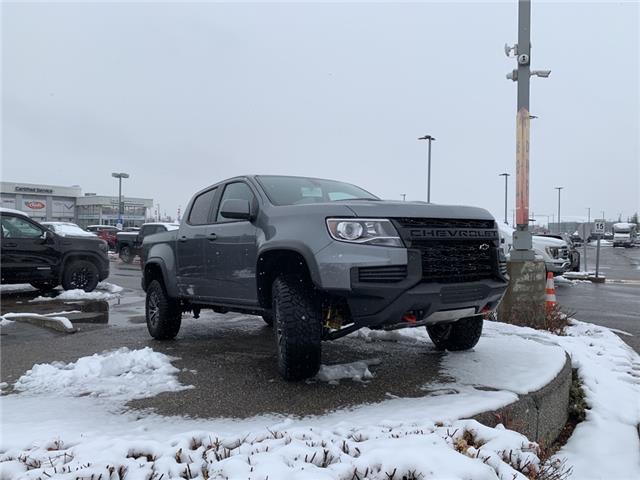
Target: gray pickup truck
x: 320, y: 259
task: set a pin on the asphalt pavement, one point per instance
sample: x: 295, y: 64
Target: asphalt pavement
x: 614, y: 304
x: 230, y: 359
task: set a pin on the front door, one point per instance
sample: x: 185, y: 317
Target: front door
x: 231, y: 252
x: 27, y: 253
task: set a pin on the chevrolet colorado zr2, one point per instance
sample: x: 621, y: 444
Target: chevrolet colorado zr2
x: 319, y: 259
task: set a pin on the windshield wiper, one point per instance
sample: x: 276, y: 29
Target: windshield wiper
x: 363, y: 198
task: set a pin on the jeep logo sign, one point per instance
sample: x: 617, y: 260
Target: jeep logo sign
x: 462, y: 233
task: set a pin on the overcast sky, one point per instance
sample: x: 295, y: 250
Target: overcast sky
x: 184, y: 95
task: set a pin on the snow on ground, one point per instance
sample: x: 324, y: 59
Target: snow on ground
x: 109, y: 287
x: 89, y: 431
x: 64, y: 321
x: 18, y: 287
x: 78, y: 294
x: 357, y: 371
x: 5, y: 321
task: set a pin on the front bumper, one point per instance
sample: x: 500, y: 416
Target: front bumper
x: 380, y: 304
x: 558, y: 266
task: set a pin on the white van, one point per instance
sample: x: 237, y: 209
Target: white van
x: 624, y: 234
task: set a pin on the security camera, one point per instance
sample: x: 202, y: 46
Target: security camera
x: 541, y: 73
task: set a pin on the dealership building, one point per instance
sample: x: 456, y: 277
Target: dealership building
x: 68, y: 204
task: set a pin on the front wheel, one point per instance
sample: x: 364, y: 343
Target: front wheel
x: 81, y: 274
x: 126, y: 255
x: 461, y: 335
x: 298, y: 328
x: 162, y: 313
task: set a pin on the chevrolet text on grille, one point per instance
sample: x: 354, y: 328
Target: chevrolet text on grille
x: 445, y: 233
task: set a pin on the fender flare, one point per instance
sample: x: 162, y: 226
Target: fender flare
x: 300, y: 248
x: 69, y: 256
x: 170, y: 286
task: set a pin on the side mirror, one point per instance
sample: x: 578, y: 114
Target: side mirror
x: 237, y: 209
x: 46, y: 236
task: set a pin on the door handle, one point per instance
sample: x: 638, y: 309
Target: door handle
x: 212, y: 237
x: 183, y: 238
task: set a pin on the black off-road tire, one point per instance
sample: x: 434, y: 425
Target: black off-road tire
x: 43, y: 285
x: 268, y: 319
x: 82, y: 274
x: 457, y: 336
x: 126, y: 255
x: 161, y: 312
x: 298, y: 328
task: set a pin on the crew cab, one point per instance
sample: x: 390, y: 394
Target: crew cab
x: 35, y: 254
x: 129, y: 244
x: 320, y: 259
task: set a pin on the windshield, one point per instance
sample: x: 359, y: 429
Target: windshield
x: 301, y: 190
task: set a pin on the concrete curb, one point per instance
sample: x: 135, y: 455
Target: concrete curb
x: 45, y: 322
x: 539, y: 415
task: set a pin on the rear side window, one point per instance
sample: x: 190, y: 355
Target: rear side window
x: 199, y: 214
x: 235, y: 191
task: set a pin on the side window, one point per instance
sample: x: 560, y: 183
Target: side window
x: 237, y: 190
x: 199, y: 214
x: 15, y: 227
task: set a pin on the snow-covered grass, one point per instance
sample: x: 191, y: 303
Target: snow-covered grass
x: 88, y: 433
x: 109, y: 287
x: 4, y: 321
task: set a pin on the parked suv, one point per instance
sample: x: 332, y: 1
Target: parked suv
x: 320, y: 259
x: 32, y: 253
x: 129, y: 244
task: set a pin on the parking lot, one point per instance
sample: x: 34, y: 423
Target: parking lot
x: 230, y: 359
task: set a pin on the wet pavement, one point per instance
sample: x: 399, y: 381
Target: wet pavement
x: 230, y: 359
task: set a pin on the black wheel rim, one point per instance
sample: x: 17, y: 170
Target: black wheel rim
x: 153, y: 309
x: 440, y: 333
x: 81, y: 278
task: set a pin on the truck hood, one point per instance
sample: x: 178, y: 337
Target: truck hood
x: 398, y: 209
x: 548, y: 242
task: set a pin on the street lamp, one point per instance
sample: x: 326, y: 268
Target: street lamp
x: 120, y: 176
x: 559, y: 190
x: 430, y: 139
x: 404, y: 197
x: 506, y: 177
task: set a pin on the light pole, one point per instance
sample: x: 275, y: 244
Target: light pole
x: 559, y: 190
x: 404, y: 197
x: 120, y: 176
x: 522, y: 247
x: 506, y: 177
x: 430, y: 139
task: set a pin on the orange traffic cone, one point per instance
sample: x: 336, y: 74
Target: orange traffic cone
x: 550, y: 293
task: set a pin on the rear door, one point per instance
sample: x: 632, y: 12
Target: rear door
x: 26, y: 254
x: 231, y: 251
x: 191, y: 269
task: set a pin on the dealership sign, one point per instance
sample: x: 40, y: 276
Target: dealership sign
x: 19, y: 188
x: 35, y: 206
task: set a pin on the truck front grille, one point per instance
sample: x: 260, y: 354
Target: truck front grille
x: 453, y: 250
x: 383, y: 274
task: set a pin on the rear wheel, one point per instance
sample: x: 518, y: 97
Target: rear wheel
x: 298, y: 328
x: 126, y: 255
x: 461, y: 335
x: 81, y: 274
x: 162, y: 313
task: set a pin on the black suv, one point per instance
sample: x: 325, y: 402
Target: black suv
x: 33, y: 254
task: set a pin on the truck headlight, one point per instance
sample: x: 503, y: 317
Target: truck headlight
x: 370, y: 231
x: 553, y: 251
